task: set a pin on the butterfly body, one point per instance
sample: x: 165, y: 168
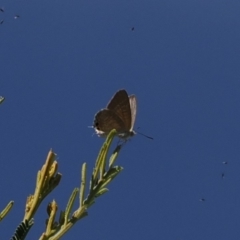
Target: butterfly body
x: 119, y: 114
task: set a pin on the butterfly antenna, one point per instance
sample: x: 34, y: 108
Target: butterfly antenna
x: 145, y: 135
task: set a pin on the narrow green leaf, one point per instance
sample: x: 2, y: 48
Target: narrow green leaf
x: 101, y: 192
x: 70, y: 204
x: 83, y: 184
x: 98, y: 163
x: 108, y: 142
x: 6, y: 210
x: 114, y: 156
x: 1, y: 99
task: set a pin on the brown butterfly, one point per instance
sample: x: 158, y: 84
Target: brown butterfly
x: 120, y: 114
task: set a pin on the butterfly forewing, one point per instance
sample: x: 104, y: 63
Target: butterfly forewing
x: 120, y: 105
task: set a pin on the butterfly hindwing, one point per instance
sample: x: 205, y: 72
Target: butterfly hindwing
x: 106, y: 120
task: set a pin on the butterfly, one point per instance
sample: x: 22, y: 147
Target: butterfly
x: 120, y: 114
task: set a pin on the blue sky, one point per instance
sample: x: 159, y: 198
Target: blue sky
x: 61, y: 62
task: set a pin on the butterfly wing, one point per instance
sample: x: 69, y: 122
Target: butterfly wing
x: 133, y: 107
x: 120, y: 105
x: 106, y: 120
